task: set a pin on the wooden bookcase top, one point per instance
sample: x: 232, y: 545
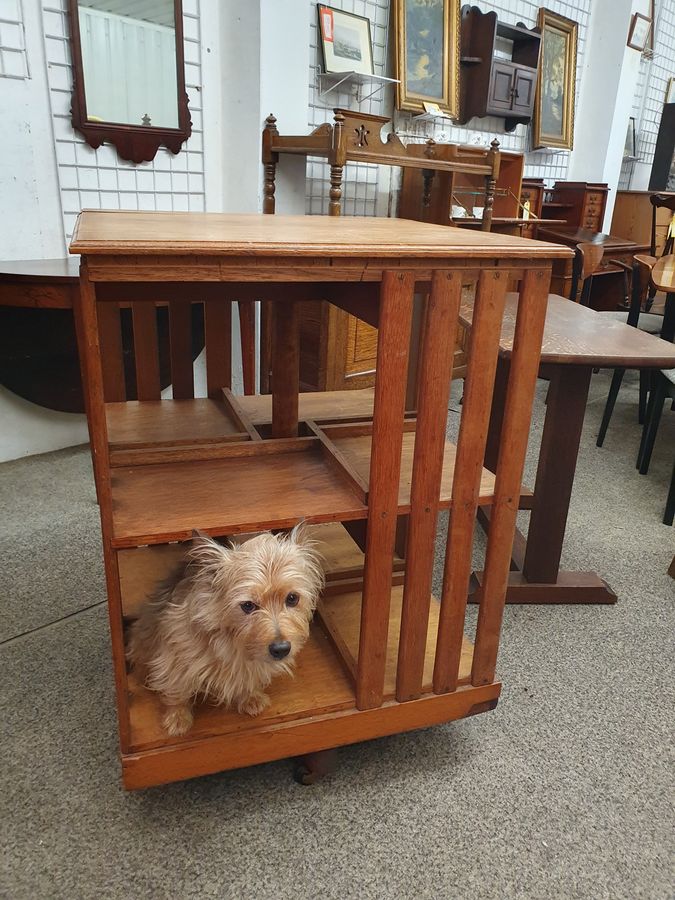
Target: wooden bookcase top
x: 203, y: 234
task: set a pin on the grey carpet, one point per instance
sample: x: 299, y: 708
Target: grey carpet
x: 565, y: 790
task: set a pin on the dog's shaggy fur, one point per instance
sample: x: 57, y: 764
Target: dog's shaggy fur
x: 219, y: 626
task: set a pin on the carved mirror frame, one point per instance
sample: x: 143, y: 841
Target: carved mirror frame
x: 137, y: 143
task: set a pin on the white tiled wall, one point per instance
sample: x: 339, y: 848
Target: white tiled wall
x: 657, y: 73
x: 650, y: 92
x: 360, y: 183
x: 99, y: 179
x: 13, y: 58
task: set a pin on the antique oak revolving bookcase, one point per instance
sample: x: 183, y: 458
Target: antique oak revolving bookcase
x: 384, y: 655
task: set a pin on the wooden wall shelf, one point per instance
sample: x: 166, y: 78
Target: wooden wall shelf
x: 387, y: 657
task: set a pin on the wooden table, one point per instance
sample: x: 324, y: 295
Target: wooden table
x: 42, y: 284
x: 608, y: 281
x: 576, y: 340
x: 39, y: 283
x: 387, y: 656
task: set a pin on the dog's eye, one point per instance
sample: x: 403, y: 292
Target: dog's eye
x: 292, y: 600
x: 248, y: 606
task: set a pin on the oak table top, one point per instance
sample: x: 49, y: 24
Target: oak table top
x: 577, y: 335
x: 113, y: 233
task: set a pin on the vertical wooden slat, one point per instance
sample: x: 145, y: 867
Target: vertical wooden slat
x: 112, y: 357
x: 180, y: 331
x: 396, y: 300
x: 247, y: 336
x: 146, y: 350
x: 437, y: 347
x: 285, y: 370
x: 218, y: 342
x: 483, y: 349
x: 89, y: 330
x: 513, y: 444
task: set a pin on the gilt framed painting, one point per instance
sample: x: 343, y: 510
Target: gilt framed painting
x: 553, y: 120
x: 427, y: 54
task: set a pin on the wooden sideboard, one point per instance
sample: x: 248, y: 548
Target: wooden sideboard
x: 580, y: 203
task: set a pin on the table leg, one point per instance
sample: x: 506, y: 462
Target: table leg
x: 285, y: 370
x: 537, y: 578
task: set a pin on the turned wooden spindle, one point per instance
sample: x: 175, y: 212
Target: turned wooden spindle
x: 270, y: 159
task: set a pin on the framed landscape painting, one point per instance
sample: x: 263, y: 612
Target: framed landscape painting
x: 553, y: 120
x: 427, y: 54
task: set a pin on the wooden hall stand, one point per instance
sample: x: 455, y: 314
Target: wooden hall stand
x: 383, y: 657
x: 576, y: 340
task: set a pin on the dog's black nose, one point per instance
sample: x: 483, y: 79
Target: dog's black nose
x: 279, y: 649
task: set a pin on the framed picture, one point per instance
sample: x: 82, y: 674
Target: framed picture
x: 640, y: 29
x: 345, y: 41
x: 630, y: 148
x: 553, y: 120
x: 670, y: 91
x: 427, y: 54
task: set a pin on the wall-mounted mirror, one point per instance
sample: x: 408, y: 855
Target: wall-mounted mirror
x: 129, y: 83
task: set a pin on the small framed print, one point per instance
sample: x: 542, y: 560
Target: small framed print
x: 345, y: 41
x: 640, y: 29
x: 670, y: 91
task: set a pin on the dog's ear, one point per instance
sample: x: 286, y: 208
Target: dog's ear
x: 206, y: 553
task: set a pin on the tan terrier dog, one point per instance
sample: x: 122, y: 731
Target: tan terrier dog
x: 226, y: 623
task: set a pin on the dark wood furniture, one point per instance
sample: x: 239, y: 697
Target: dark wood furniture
x: 580, y: 203
x: 609, y: 283
x: 491, y: 85
x: 38, y: 350
x: 135, y: 142
x: 356, y: 137
x: 383, y: 657
x: 575, y: 341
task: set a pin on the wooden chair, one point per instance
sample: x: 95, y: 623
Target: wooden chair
x: 663, y: 387
x: 652, y: 323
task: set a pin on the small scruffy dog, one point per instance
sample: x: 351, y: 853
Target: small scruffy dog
x: 226, y: 623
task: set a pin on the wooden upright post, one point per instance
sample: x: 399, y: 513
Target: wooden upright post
x: 396, y: 301
x: 513, y: 444
x: 435, y: 365
x: 483, y: 350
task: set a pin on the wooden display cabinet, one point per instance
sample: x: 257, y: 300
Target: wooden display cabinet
x: 384, y: 655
